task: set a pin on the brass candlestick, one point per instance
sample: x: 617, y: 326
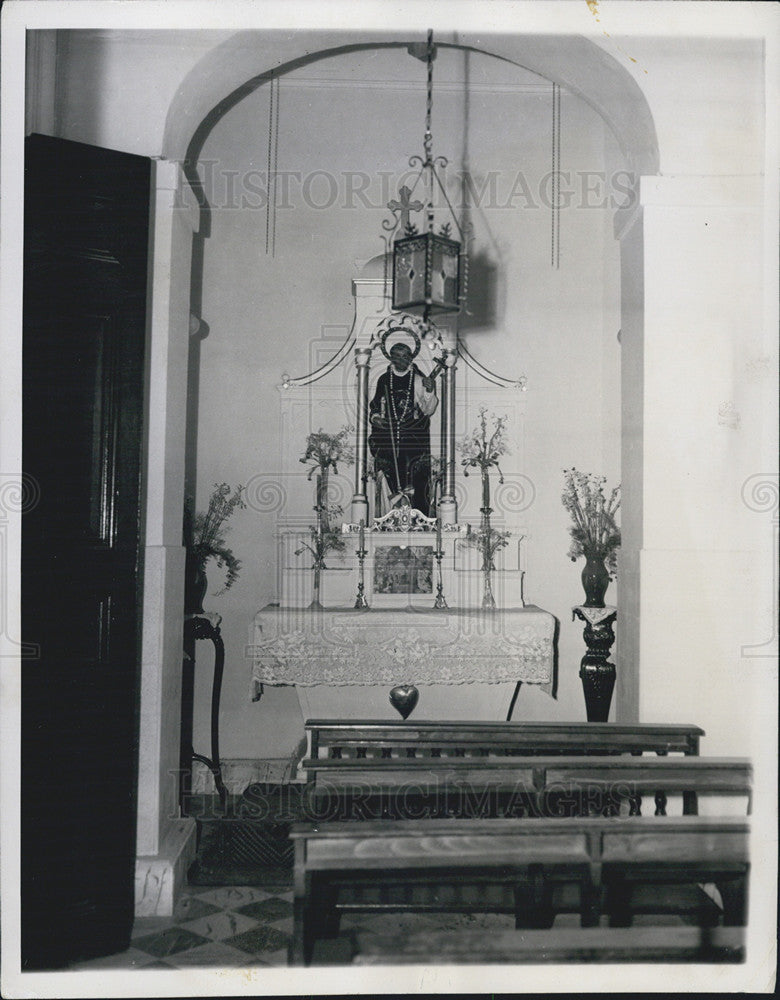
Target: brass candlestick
x: 360, y: 601
x: 440, y: 602
x: 488, y: 601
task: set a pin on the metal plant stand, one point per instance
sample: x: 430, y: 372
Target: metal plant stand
x: 201, y: 627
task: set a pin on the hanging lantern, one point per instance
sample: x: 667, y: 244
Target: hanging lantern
x: 426, y: 265
x: 426, y: 274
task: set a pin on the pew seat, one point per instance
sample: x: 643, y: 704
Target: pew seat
x: 599, y: 855
x: 595, y: 944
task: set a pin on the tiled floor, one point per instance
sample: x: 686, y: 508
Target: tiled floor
x: 228, y: 926
x: 243, y: 926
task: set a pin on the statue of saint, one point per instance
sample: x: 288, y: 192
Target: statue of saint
x: 400, y: 415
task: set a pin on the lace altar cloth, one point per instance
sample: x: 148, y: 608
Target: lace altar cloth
x: 401, y: 646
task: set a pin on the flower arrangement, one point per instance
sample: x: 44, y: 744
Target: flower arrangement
x: 322, y: 540
x: 487, y: 540
x: 483, y: 451
x: 323, y: 452
x: 594, y: 532
x: 204, y: 533
x: 479, y: 450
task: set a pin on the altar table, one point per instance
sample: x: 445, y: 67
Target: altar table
x: 392, y: 646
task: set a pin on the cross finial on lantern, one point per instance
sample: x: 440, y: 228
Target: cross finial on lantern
x: 404, y: 206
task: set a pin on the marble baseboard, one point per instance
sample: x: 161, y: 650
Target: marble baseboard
x: 160, y: 878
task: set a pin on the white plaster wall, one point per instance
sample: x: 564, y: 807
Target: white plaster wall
x: 706, y: 96
x: 113, y: 87
x: 632, y: 463
x: 702, y: 565
x: 699, y: 341
x: 163, y: 563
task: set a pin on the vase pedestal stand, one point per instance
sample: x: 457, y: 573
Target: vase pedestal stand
x: 596, y: 672
x: 200, y: 626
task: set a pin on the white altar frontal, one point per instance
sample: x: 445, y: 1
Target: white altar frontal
x: 344, y: 661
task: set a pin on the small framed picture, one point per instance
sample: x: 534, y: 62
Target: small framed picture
x: 403, y: 570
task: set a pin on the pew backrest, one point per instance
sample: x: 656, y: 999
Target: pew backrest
x: 459, y: 785
x: 365, y: 739
x: 386, y: 845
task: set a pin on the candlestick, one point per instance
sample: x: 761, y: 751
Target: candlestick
x: 360, y: 601
x: 440, y: 602
x: 485, y: 489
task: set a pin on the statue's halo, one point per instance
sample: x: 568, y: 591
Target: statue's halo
x: 400, y: 335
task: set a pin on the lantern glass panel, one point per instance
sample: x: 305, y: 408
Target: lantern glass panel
x: 409, y: 272
x: 426, y: 273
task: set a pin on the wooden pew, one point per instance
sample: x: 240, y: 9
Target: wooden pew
x: 361, y: 739
x: 343, y: 788
x: 410, y: 853
x: 369, y: 741
x: 592, y: 944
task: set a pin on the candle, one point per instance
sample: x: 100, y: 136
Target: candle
x: 361, y: 543
x: 438, y: 536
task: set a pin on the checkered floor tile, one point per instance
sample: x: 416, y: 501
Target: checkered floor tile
x: 228, y: 926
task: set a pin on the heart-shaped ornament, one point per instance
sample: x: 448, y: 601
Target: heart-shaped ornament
x: 403, y: 699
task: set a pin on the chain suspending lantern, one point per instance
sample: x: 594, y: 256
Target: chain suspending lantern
x: 428, y: 267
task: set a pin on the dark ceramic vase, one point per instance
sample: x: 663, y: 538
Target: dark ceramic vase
x: 595, y: 580
x: 195, y: 586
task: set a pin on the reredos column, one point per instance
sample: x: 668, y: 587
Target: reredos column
x: 360, y: 499
x: 448, y: 508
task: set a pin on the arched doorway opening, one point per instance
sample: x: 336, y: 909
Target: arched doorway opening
x: 231, y: 71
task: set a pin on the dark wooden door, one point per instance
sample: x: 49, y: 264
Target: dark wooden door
x: 85, y: 281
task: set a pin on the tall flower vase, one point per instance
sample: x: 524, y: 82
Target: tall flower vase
x: 195, y: 586
x: 322, y: 499
x: 488, y: 601
x: 315, y: 604
x: 595, y: 580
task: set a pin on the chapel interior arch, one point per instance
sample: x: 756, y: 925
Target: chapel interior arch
x: 230, y: 73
